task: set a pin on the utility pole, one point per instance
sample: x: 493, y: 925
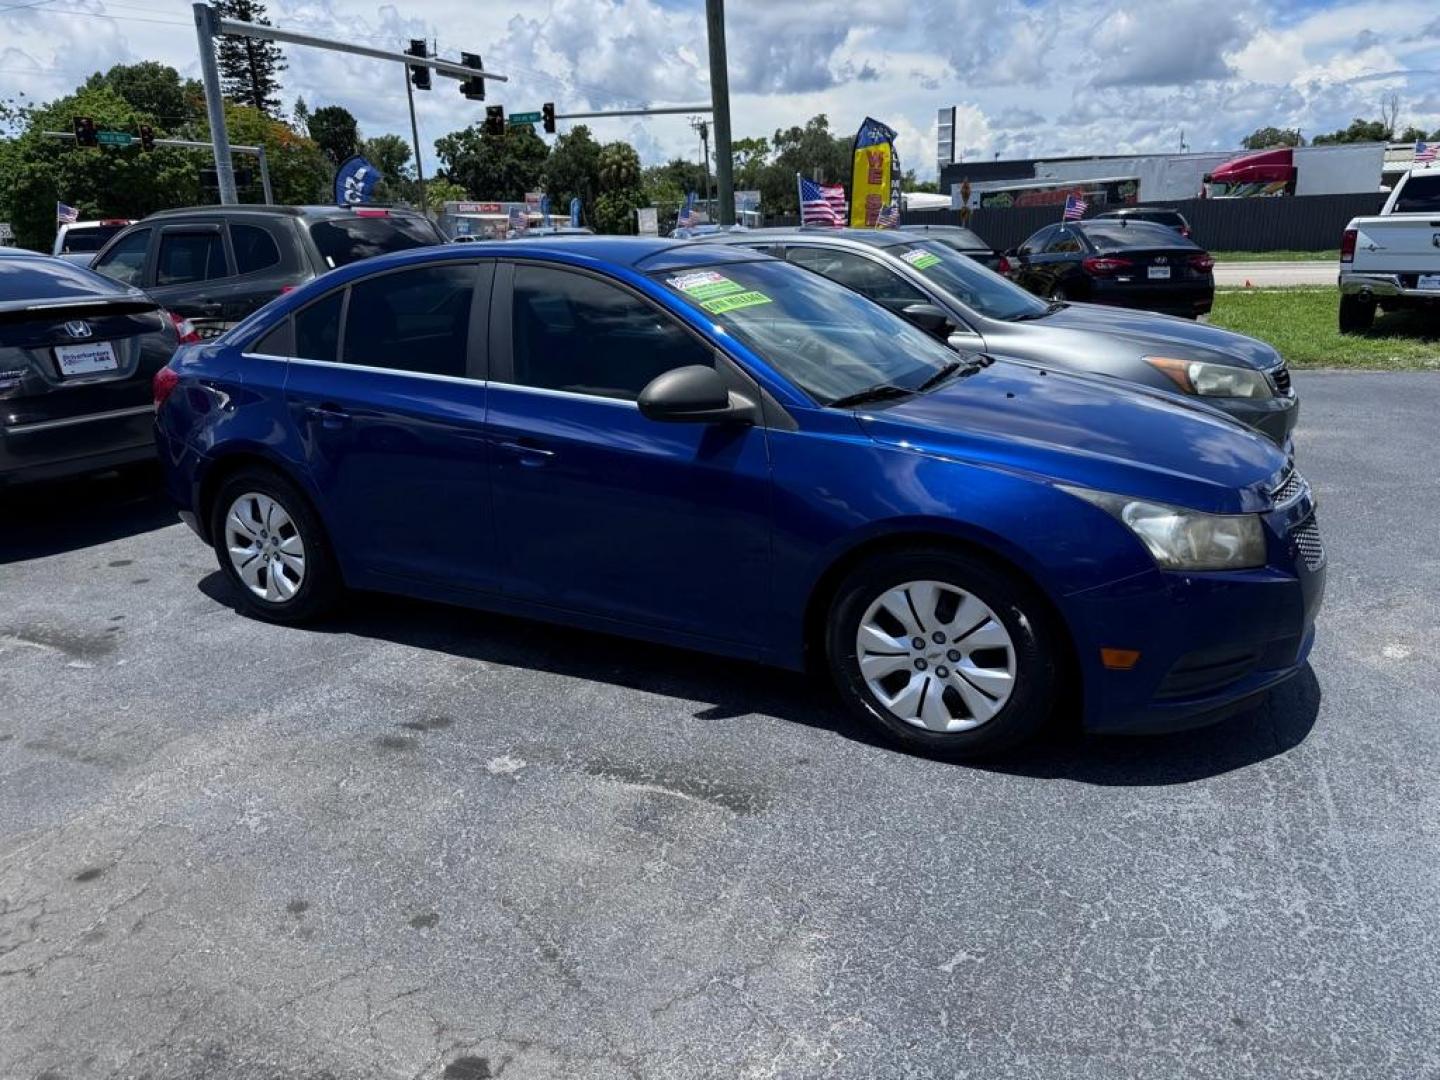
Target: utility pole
x: 720, y: 102
x: 207, y: 28
x: 415, y: 138
x: 701, y: 128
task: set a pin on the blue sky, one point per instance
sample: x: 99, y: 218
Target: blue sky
x: 1030, y: 77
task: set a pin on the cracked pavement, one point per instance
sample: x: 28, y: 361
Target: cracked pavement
x: 428, y: 843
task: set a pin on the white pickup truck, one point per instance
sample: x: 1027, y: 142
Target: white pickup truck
x: 1393, y: 259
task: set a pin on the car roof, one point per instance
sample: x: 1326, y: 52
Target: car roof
x: 870, y: 237
x: 1123, y: 211
x: 277, y: 211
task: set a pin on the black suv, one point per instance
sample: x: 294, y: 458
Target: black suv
x: 214, y: 265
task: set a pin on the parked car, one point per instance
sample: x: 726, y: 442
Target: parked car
x: 77, y: 355
x: 216, y: 264
x: 78, y: 241
x: 966, y: 241
x: 704, y: 447
x: 1158, y: 215
x: 978, y: 311
x: 1127, y: 264
x: 1393, y: 259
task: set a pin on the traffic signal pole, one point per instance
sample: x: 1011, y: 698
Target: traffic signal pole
x: 720, y: 101
x: 209, y: 25
x: 415, y: 138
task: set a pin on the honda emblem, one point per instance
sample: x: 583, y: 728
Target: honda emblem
x: 77, y: 328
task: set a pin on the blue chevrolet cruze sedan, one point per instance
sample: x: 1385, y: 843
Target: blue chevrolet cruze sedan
x: 707, y: 447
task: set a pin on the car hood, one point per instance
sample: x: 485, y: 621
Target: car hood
x: 1162, y: 335
x: 1086, y: 430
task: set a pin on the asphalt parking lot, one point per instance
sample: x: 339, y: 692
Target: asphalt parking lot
x: 422, y: 842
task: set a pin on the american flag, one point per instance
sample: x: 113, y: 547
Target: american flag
x: 821, y: 204
x: 1075, y: 208
x: 888, y: 218
x: 66, y: 215
x: 686, y: 218
x: 1425, y: 152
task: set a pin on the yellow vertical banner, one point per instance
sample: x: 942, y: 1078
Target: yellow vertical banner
x: 874, y: 174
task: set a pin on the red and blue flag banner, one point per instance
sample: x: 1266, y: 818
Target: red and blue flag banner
x: 355, y: 181
x: 1075, y: 208
x: 1425, y: 152
x: 821, y: 204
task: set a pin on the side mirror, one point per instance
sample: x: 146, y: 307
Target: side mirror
x: 695, y: 394
x: 965, y: 341
x: 929, y: 318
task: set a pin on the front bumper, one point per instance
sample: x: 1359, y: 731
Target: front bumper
x: 1385, y: 286
x: 1209, y: 643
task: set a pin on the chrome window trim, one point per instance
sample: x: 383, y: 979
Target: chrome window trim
x: 69, y: 421
x: 545, y: 391
x: 461, y: 379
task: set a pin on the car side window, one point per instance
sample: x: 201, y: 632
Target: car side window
x: 125, y: 262
x: 1063, y: 243
x: 254, y: 249
x: 865, y: 276
x: 1036, y: 242
x: 317, y: 328
x: 190, y: 256
x: 280, y: 341
x: 413, y: 320
x: 579, y: 334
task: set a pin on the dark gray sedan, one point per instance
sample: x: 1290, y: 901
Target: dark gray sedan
x: 77, y: 356
x: 955, y: 298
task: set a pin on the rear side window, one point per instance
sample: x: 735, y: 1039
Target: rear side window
x: 1063, y: 243
x: 1037, y: 242
x: 317, y: 328
x: 125, y: 262
x: 865, y: 276
x: 254, y: 249
x: 88, y: 237
x: 346, y: 240
x: 1419, y: 195
x: 414, y: 320
x: 190, y: 256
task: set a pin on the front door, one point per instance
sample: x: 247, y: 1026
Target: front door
x: 598, y: 509
x: 387, y: 395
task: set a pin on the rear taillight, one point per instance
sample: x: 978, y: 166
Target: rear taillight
x: 1003, y: 266
x: 1347, y: 245
x: 166, y: 379
x: 1105, y: 265
x: 1185, y: 232
x: 184, y: 328
x: 1203, y: 263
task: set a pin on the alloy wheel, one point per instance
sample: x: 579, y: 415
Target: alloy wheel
x: 935, y: 656
x: 265, y: 547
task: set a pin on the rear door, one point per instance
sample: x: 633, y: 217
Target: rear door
x: 386, y: 390
x: 188, y: 272
x: 266, y: 261
x: 1024, y: 272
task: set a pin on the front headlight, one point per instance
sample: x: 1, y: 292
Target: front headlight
x: 1181, y: 539
x: 1213, y: 380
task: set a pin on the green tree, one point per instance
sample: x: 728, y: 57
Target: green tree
x: 503, y: 166
x: 620, y: 192
x: 811, y: 151
x: 573, y: 169
x: 299, y: 171
x: 302, y: 114
x: 1266, y: 137
x: 391, y: 155
x: 154, y: 90
x: 1411, y: 134
x: 440, y: 191
x: 1358, y: 131
x: 335, y: 131
x: 665, y: 187
x: 751, y: 157
x: 619, y: 167
x: 250, y: 68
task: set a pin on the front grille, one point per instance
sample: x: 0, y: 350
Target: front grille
x: 1290, y: 489
x: 1280, y: 379
x: 1307, y: 542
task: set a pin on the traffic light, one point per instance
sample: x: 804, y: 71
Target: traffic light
x: 419, y: 75
x: 474, y: 89
x: 147, y: 137
x: 547, y: 117
x: 495, y: 120
x: 84, y: 131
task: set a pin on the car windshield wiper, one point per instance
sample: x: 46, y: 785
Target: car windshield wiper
x: 941, y: 375
x: 878, y: 392
x: 1050, y: 309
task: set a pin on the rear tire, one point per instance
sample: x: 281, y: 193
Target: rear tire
x: 1356, y: 315
x: 943, y: 653
x: 272, y: 547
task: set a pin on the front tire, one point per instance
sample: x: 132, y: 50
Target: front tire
x: 1356, y: 315
x: 272, y: 546
x: 944, y: 653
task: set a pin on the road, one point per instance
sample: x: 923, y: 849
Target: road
x: 1272, y: 274
x: 420, y: 842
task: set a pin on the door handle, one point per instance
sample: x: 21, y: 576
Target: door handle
x: 329, y: 416
x: 536, y: 455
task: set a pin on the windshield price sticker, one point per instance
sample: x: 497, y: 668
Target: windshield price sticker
x: 705, y: 285
x: 920, y: 260
x: 722, y: 304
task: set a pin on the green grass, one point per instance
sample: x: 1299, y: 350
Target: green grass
x: 1276, y: 256
x: 1302, y: 324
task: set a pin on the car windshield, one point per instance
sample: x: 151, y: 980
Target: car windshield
x: 828, y: 340
x: 1113, y: 235
x: 25, y: 278
x: 976, y: 287
x: 343, y: 240
x: 1419, y: 195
